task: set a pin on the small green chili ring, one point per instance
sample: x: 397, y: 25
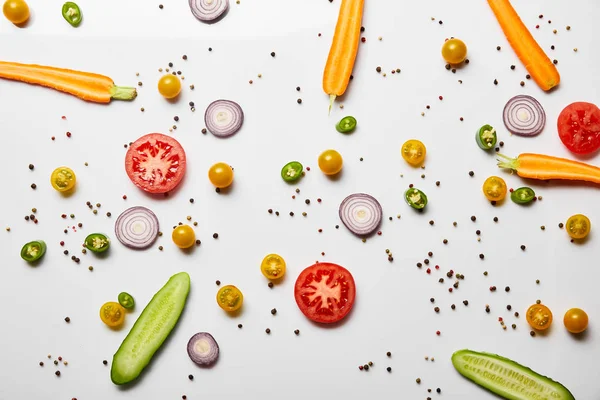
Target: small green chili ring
x: 415, y: 198
x: 486, y: 137
x: 33, y: 251
x: 522, y: 195
x: 291, y: 171
x: 346, y: 124
x: 72, y: 13
x: 126, y: 300
x: 97, y: 242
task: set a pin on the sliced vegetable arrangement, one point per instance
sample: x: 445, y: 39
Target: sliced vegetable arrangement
x: 507, y: 378
x: 150, y: 330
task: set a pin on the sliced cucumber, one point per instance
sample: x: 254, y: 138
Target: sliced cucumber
x: 150, y: 330
x: 507, y: 378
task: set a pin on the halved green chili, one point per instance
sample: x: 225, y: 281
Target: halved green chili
x: 33, y: 251
x: 346, y: 124
x: 292, y: 171
x: 415, y: 198
x: 72, y: 13
x: 522, y: 195
x: 486, y: 137
x: 97, y: 242
x: 126, y: 300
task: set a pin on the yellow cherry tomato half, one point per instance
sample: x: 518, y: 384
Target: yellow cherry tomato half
x: 169, y: 86
x: 330, y: 162
x: 183, y: 236
x: 112, y: 314
x: 539, y: 317
x: 576, y: 320
x: 16, y: 11
x: 454, y: 51
x: 273, y: 266
x: 63, y: 179
x: 578, y: 226
x: 494, y: 188
x: 229, y: 298
x: 220, y: 175
x: 413, y: 151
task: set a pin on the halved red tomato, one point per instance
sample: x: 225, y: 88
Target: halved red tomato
x: 155, y: 163
x: 325, y: 292
x: 579, y: 127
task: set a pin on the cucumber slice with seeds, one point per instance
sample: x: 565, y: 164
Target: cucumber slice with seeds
x: 150, y: 330
x: 507, y: 378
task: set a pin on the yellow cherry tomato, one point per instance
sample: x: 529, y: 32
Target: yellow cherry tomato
x: 63, y: 179
x: 454, y: 51
x: 576, y: 320
x: 413, y: 151
x: 539, y: 317
x: 330, y: 162
x: 16, y: 11
x: 220, y: 175
x: 578, y: 226
x: 494, y: 188
x: 112, y: 314
x: 273, y: 266
x: 183, y: 236
x: 230, y: 298
x: 169, y: 86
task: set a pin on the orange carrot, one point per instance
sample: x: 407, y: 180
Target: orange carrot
x: 87, y: 86
x: 538, y: 166
x: 537, y: 63
x: 344, y: 47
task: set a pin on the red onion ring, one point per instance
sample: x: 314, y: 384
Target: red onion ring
x: 209, y: 11
x: 203, y: 349
x: 523, y: 115
x: 223, y: 118
x: 137, y: 228
x: 361, y: 213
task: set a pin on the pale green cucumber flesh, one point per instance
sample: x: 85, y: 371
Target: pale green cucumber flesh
x: 507, y: 378
x: 150, y: 330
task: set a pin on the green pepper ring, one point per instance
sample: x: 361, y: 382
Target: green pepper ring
x: 72, y: 13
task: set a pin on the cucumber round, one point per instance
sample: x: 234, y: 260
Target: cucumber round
x: 150, y: 330
x: 507, y: 378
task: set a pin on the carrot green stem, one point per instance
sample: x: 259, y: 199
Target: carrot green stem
x: 507, y: 162
x: 331, y: 100
x: 123, y: 93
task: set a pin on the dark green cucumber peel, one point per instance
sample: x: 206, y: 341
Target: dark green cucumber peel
x: 507, y: 378
x: 150, y: 330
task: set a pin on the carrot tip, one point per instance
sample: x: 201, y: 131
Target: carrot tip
x: 331, y: 100
x: 123, y: 93
x: 507, y: 162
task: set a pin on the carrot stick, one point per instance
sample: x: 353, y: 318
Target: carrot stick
x: 87, y: 86
x: 344, y: 47
x: 537, y: 63
x: 538, y: 166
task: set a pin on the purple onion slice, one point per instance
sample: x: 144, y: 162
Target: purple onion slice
x: 361, y: 213
x: 523, y: 115
x: 137, y: 227
x: 203, y: 349
x: 223, y: 118
x: 209, y: 11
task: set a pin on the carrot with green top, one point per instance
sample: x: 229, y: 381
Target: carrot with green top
x: 542, y: 167
x: 85, y: 85
x: 537, y: 63
x: 344, y: 47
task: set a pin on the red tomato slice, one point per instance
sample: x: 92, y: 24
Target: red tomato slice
x: 325, y: 292
x: 155, y: 163
x: 579, y: 127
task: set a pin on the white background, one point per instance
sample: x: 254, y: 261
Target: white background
x: 392, y: 310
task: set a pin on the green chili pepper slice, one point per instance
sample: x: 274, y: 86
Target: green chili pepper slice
x: 33, y: 251
x: 522, y: 195
x: 292, y: 171
x: 72, y: 13
x: 97, y: 242
x: 415, y: 198
x: 126, y: 300
x: 486, y: 137
x: 346, y: 124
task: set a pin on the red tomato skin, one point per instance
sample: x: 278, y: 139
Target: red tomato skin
x: 310, y: 312
x: 149, y: 142
x: 579, y: 127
